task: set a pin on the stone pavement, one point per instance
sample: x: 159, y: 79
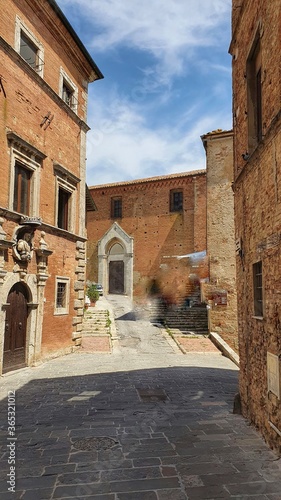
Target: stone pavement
x: 145, y: 422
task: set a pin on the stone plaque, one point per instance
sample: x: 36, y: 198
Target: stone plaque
x: 273, y: 380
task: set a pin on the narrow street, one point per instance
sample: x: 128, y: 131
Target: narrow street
x: 145, y: 422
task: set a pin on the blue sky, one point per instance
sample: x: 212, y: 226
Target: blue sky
x: 167, y: 81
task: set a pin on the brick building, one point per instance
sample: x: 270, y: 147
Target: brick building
x: 140, y: 229
x: 255, y: 49
x: 45, y: 71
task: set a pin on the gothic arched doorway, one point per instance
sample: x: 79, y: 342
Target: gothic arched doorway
x: 115, y: 268
x: 15, y: 328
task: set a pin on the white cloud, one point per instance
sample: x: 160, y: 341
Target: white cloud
x: 175, y: 36
x: 122, y: 146
x: 169, y: 30
x: 155, y: 25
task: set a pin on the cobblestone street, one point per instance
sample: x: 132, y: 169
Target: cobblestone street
x: 143, y: 422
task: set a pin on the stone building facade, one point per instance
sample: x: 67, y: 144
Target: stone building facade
x: 255, y: 50
x: 143, y: 232
x: 45, y: 71
x: 220, y: 290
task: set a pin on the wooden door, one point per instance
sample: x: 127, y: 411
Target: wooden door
x: 116, y: 277
x: 15, y: 328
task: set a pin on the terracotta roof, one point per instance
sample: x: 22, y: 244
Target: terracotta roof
x: 150, y: 179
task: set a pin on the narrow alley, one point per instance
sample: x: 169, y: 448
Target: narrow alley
x: 144, y: 422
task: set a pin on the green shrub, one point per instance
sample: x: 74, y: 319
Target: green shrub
x: 92, y: 292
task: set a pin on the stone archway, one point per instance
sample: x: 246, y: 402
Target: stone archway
x: 115, y: 253
x: 14, y: 355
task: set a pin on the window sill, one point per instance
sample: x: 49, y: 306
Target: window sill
x: 61, y: 312
x: 259, y: 318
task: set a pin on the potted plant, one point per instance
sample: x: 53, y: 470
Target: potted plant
x: 92, y: 293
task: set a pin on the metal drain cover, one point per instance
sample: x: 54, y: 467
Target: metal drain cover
x: 94, y: 443
x: 152, y: 395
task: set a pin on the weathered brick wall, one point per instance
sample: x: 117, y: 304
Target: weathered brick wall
x: 258, y: 214
x: 221, y: 237
x: 158, y: 233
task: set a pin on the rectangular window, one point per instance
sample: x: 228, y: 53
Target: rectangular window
x: 66, y: 196
x: 22, y: 180
x: 62, y: 295
x: 29, y: 46
x: 25, y: 166
x: 28, y: 51
x: 116, y: 208
x: 257, y: 284
x: 68, y: 91
x: 67, y: 94
x: 254, y: 97
x: 63, y: 209
x: 176, y: 200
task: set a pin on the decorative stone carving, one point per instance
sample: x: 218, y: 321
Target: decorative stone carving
x: 22, y: 246
x: 42, y: 254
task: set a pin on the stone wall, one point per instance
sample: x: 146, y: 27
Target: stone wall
x: 220, y: 291
x: 257, y: 189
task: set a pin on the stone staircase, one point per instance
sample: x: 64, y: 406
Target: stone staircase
x: 96, y: 330
x: 188, y: 320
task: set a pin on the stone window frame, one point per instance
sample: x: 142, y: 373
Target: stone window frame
x: 173, y: 207
x: 21, y: 27
x: 258, y: 290
x: 68, y: 182
x: 65, y: 80
x: 31, y: 159
x: 66, y: 281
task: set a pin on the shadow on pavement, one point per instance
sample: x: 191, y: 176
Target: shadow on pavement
x: 143, y: 434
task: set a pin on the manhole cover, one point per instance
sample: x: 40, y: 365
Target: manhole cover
x: 94, y: 443
x: 152, y: 395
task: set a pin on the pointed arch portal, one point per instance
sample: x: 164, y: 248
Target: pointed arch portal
x: 115, y: 252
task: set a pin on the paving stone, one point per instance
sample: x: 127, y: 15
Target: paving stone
x: 144, y: 462
x: 81, y: 490
x: 135, y: 473
x: 37, y: 494
x: 254, y: 488
x: 144, y: 495
x: 36, y: 482
x: 202, y: 493
x: 171, y: 495
x: 78, y: 478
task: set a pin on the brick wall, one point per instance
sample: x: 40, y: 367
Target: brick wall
x: 28, y: 98
x: 159, y: 235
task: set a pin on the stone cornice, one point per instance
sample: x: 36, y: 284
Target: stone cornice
x: 48, y: 228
